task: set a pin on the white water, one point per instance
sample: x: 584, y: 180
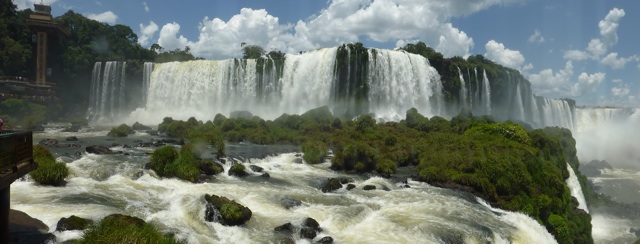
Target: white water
x: 399, y: 81
x: 463, y: 91
x: 576, y: 189
x: 100, y: 185
x: 487, y: 92
x: 556, y: 112
x: 107, y: 94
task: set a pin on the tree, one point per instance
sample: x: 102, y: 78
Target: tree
x: 252, y: 52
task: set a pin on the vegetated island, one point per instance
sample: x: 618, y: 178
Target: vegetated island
x: 509, y: 166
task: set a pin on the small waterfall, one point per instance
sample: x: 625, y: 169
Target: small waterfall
x: 107, y: 94
x: 463, y: 91
x: 576, y: 189
x: 146, y: 80
x: 518, y: 108
x: 487, y: 92
x: 556, y: 112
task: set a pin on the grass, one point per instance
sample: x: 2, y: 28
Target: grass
x: 49, y: 172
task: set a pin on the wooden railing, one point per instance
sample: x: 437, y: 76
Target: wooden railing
x: 15, y: 147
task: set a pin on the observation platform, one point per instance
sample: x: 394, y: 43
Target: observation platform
x: 16, y: 160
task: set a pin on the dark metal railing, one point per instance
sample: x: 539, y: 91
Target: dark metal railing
x: 15, y: 147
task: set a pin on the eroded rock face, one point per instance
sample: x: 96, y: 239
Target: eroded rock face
x: 225, y: 211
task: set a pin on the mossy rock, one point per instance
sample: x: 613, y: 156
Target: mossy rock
x: 333, y: 184
x: 118, y: 228
x: 124, y: 220
x: 121, y: 131
x: 238, y: 170
x: 225, y: 211
x: 49, y: 172
x: 210, y: 167
x: 73, y: 223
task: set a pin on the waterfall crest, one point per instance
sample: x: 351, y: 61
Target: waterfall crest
x: 107, y: 94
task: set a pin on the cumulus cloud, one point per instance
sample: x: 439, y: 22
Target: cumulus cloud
x: 614, y: 62
x: 507, y: 57
x: 609, y: 26
x: 621, y: 91
x: 24, y: 4
x: 106, y: 17
x: 549, y: 82
x: 536, y: 37
x: 146, y: 7
x: 168, y: 37
x: 576, y: 55
x: 342, y: 21
x: 587, y: 83
x: 147, y: 32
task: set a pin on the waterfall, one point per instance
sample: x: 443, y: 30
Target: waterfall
x: 146, y: 80
x: 576, y: 189
x: 399, y: 81
x: 556, y: 112
x: 487, y: 92
x: 107, y: 94
x: 383, y: 82
x: 463, y: 91
x: 518, y: 104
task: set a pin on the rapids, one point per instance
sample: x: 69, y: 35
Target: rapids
x: 100, y: 185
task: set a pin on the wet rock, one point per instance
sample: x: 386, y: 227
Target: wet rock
x: 138, y: 126
x: 308, y: 233
x: 172, y: 141
x: 265, y: 175
x: 298, y: 160
x: 72, y: 138
x: 285, y: 229
x: 145, y: 144
x: 100, y: 150
x: 210, y: 167
x: 152, y: 132
x: 288, y: 202
x: 311, y: 223
x: 256, y: 168
x: 49, y: 143
x: 326, y: 240
x: 25, y: 229
x: 238, y: 170
x: 333, y: 184
x: 350, y: 187
x: 225, y: 211
x: 73, y: 223
x: 369, y: 187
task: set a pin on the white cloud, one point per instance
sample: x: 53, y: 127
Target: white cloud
x: 342, y: 21
x: 557, y: 83
x: 587, y: 83
x: 614, y: 62
x: 147, y: 32
x: 23, y: 4
x: 536, y: 37
x: 146, y: 7
x: 168, y: 37
x: 576, y: 55
x: 609, y: 26
x: 596, y: 48
x: 507, y: 57
x: 106, y: 17
x: 621, y: 91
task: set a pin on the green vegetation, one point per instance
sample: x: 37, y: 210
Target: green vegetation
x: 49, y: 172
x: 121, y: 131
x: 510, y: 167
x: 25, y: 114
x: 124, y: 229
x: 167, y: 162
x: 232, y: 213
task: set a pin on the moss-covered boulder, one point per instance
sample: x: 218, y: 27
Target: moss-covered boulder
x: 210, y: 167
x: 333, y: 184
x: 73, y: 223
x: 238, y: 170
x: 118, y: 228
x: 49, y: 172
x: 314, y: 152
x: 225, y: 211
x: 138, y: 126
x: 121, y: 131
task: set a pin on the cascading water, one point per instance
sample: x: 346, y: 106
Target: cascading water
x: 463, y: 91
x: 487, y: 92
x: 518, y: 104
x: 556, y: 112
x: 100, y: 185
x: 107, y: 94
x: 576, y: 189
x: 146, y: 80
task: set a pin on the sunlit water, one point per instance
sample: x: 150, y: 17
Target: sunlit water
x: 100, y: 185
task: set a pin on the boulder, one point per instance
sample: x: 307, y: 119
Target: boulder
x: 138, y: 126
x: 152, y: 132
x: 326, y: 240
x: 265, y: 175
x: 369, y: 187
x: 350, y: 187
x: 298, y: 160
x: 49, y: 143
x: 288, y: 202
x: 287, y: 229
x: 72, y: 138
x: 73, y: 223
x: 308, y: 233
x: 256, y: 168
x: 100, y: 150
x: 210, y: 167
x: 225, y: 211
x: 311, y: 223
x: 333, y: 184
x: 237, y: 170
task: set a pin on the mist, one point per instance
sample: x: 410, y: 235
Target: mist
x: 616, y: 141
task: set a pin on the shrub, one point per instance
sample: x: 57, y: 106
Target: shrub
x: 386, y: 167
x: 161, y: 159
x: 314, y: 151
x: 119, y: 230
x: 121, y: 131
x: 509, y: 131
x: 49, y: 172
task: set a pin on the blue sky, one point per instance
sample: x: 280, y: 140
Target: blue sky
x: 585, y: 50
